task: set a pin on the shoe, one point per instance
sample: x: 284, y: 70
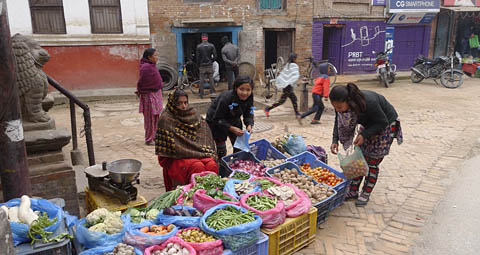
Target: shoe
x: 351, y: 196
x: 150, y: 143
x: 315, y: 122
x: 299, y: 118
x: 267, y: 112
x: 362, y: 201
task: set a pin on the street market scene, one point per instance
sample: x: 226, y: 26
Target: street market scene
x: 239, y: 127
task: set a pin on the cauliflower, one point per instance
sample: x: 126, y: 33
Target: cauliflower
x: 152, y: 214
x: 102, y: 220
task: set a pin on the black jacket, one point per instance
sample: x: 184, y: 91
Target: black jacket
x: 220, y: 117
x: 205, y: 50
x: 230, y: 55
x: 377, y: 116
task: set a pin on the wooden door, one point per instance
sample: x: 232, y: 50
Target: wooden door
x: 284, y: 44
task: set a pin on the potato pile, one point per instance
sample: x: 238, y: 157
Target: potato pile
x: 355, y: 168
x: 196, y: 236
x: 316, y: 193
x: 269, y: 163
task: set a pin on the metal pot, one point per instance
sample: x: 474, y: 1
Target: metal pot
x: 124, y: 170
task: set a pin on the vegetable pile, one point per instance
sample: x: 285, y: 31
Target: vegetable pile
x: 280, y: 142
x: 212, y: 184
x: 269, y: 163
x: 157, y: 229
x: 172, y: 249
x: 284, y: 193
x: 228, y: 217
x: 243, y: 188
x: 240, y: 175
x: 321, y: 174
x: 196, y: 236
x: 265, y: 184
x: 102, y: 220
x: 249, y: 166
x: 138, y: 215
x: 261, y: 203
x: 122, y: 249
x: 316, y: 193
x: 182, y: 212
x: 165, y: 200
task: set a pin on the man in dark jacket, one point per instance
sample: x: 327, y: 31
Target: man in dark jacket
x: 231, y: 56
x: 206, y: 54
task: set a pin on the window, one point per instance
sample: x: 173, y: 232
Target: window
x: 105, y: 16
x: 271, y: 4
x: 47, y: 17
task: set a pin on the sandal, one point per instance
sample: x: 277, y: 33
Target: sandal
x: 315, y: 122
x: 362, y: 200
x: 351, y: 195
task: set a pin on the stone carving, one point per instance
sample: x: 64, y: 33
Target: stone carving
x: 31, y: 80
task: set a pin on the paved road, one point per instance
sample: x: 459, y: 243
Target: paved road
x: 439, y: 125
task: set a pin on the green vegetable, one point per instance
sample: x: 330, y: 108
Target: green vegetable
x: 261, y: 203
x: 210, y: 182
x: 229, y: 217
x: 37, y: 229
x: 165, y: 200
x: 265, y: 184
x: 240, y: 175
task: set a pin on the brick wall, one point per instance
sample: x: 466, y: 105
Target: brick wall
x: 166, y: 14
x: 346, y: 9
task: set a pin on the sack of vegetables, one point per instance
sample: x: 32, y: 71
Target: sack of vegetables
x: 353, y: 164
x: 193, y: 177
x: 183, y: 195
x: 180, y: 215
x: 101, y: 228
x: 120, y: 248
x: 147, y: 233
x: 203, y: 200
x: 22, y: 217
x: 238, y: 188
x: 203, y: 243
x: 173, y: 246
x: 269, y: 208
x: 235, y: 226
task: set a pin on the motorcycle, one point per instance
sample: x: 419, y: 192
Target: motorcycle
x: 443, y: 68
x: 385, y: 70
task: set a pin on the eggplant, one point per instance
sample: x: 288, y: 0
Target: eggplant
x: 169, y: 211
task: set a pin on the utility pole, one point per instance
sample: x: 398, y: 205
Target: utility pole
x: 13, y: 155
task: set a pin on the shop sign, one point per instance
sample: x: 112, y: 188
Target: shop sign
x: 461, y: 3
x: 397, y: 6
x: 378, y: 2
x: 389, y: 32
x: 411, y: 18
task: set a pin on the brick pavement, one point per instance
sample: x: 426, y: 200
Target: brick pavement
x: 439, y: 127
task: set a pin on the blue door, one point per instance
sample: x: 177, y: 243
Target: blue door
x: 409, y: 42
x: 334, y: 35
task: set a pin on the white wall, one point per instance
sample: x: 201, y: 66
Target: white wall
x: 77, y: 20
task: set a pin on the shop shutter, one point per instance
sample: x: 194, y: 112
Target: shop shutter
x: 271, y: 4
x: 47, y: 17
x: 105, y: 16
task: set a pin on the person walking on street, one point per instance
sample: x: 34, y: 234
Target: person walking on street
x: 231, y: 57
x: 321, y: 88
x: 379, y: 125
x: 149, y: 90
x: 287, y: 80
x: 206, y: 54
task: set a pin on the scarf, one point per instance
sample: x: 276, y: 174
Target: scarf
x: 288, y: 76
x: 183, y: 134
x: 346, y: 123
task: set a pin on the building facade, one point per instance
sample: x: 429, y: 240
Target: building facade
x: 92, y: 43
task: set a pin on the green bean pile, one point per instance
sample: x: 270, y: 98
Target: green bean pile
x: 240, y: 175
x: 261, y: 203
x: 228, y: 217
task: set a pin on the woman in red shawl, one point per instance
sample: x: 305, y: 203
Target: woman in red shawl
x: 149, y: 90
x: 184, y: 142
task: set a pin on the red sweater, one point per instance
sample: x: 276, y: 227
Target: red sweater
x: 321, y: 86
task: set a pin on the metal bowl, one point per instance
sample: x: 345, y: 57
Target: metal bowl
x: 124, y: 170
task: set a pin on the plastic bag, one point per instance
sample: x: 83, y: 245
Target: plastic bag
x: 205, y: 248
x: 180, y: 221
x: 92, y: 239
x: 20, y: 230
x: 103, y: 250
x: 319, y: 153
x: 230, y: 188
x: 174, y: 239
x: 270, y: 218
x: 203, y: 202
x: 354, y: 164
x: 192, y: 178
x: 236, y: 237
x: 182, y: 199
x: 241, y: 142
x: 295, y: 145
x: 138, y: 239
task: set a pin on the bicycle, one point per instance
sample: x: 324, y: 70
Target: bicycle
x: 270, y: 75
x: 188, y: 76
x: 313, y: 70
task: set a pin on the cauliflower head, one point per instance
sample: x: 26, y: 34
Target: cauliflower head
x: 113, y: 223
x: 100, y: 227
x: 97, y: 216
x: 102, y: 220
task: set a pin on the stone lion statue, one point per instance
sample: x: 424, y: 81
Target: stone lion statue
x: 31, y: 80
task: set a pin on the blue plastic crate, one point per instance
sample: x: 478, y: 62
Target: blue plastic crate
x: 225, y: 170
x: 264, y: 150
x: 341, y: 188
x: 54, y: 248
x: 323, y: 207
x: 260, y: 248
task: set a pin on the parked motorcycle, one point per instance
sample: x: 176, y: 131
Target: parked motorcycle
x: 385, y: 69
x: 442, y: 68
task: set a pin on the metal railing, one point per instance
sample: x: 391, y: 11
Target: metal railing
x: 73, y: 119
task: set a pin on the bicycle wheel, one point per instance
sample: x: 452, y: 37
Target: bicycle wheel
x: 332, y: 73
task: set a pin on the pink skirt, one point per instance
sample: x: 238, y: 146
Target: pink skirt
x: 151, y: 103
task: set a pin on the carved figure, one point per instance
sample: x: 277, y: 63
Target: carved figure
x: 31, y: 80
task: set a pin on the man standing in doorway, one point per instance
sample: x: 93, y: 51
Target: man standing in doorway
x: 206, y: 54
x: 231, y: 56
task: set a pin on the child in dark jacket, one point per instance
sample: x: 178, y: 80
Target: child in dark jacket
x: 225, y: 112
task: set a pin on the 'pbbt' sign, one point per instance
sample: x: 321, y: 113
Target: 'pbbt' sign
x: 396, y: 6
